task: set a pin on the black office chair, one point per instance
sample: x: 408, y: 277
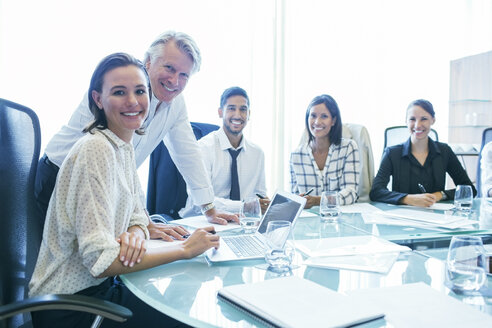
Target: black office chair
x: 395, y: 135
x: 166, y: 189
x: 486, y: 138
x: 21, y: 232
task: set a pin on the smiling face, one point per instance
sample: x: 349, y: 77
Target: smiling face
x: 235, y: 115
x: 419, y: 123
x: 320, y: 121
x: 169, y: 73
x: 124, y: 99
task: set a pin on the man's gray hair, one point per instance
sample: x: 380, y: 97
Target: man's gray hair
x: 183, y: 41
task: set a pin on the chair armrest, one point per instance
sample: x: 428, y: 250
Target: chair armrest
x: 157, y: 218
x: 81, y: 303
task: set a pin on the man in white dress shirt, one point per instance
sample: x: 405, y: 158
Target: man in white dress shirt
x: 170, y: 61
x: 216, y: 148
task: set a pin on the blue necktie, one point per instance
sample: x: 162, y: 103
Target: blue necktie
x: 234, y: 177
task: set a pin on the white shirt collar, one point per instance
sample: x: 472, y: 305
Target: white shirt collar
x: 226, y: 144
x: 153, y: 109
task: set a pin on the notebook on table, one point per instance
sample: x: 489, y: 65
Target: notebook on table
x: 283, y: 206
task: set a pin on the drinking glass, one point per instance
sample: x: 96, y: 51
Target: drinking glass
x: 329, y: 206
x: 278, y: 253
x: 466, y: 263
x: 463, y: 198
x: 250, y: 214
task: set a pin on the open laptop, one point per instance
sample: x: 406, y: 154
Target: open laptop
x: 283, y: 206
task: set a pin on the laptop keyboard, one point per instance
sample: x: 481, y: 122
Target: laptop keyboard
x: 245, y: 246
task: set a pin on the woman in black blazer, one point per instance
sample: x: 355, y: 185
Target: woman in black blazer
x: 419, y: 165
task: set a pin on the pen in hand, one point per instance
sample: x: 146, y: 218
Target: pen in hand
x: 309, y: 191
x: 213, y: 232
x: 421, y: 187
x: 260, y: 196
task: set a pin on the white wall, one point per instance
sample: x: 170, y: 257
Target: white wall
x: 373, y: 57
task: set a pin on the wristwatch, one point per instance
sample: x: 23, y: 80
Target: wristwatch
x: 444, y: 196
x: 207, y: 207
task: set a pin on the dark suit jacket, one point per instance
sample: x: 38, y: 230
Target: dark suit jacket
x: 166, y: 190
x: 396, y: 163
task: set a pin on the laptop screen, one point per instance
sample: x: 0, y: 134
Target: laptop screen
x: 281, y: 208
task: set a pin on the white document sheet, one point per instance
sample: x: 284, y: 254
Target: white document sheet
x: 423, y: 216
x: 377, y: 218
x: 441, y: 206
x: 341, y: 246
x: 307, y: 214
x: 379, y: 262
x: 418, y: 305
x: 200, y: 221
x: 436, y: 206
x: 359, y: 208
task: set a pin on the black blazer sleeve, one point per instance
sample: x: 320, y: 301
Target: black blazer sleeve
x: 456, y: 171
x: 379, y: 190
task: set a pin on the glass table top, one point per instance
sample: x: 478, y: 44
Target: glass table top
x: 421, y: 238
x: 187, y: 289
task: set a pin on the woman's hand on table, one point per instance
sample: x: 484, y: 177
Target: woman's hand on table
x: 133, y: 246
x: 201, y: 240
x: 166, y: 232
x: 422, y: 200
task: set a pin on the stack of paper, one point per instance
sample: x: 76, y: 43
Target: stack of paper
x: 296, y: 302
x: 363, y: 253
x: 342, y: 246
x: 418, y: 218
x: 379, y: 263
x: 435, y: 206
x: 200, y: 221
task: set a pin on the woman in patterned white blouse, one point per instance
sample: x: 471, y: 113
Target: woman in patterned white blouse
x: 96, y: 225
x: 327, y: 162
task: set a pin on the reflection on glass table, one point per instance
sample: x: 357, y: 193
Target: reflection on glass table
x: 187, y: 290
x: 419, y: 237
x: 482, y: 299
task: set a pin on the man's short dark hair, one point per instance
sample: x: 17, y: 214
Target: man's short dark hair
x: 233, y: 91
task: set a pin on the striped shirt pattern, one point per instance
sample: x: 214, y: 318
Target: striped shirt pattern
x: 341, y: 171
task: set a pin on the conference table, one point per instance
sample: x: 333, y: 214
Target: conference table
x: 187, y: 289
x: 420, y: 238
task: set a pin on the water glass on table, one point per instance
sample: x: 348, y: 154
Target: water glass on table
x: 278, y: 252
x: 329, y: 206
x: 466, y: 263
x: 250, y: 214
x: 463, y: 198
